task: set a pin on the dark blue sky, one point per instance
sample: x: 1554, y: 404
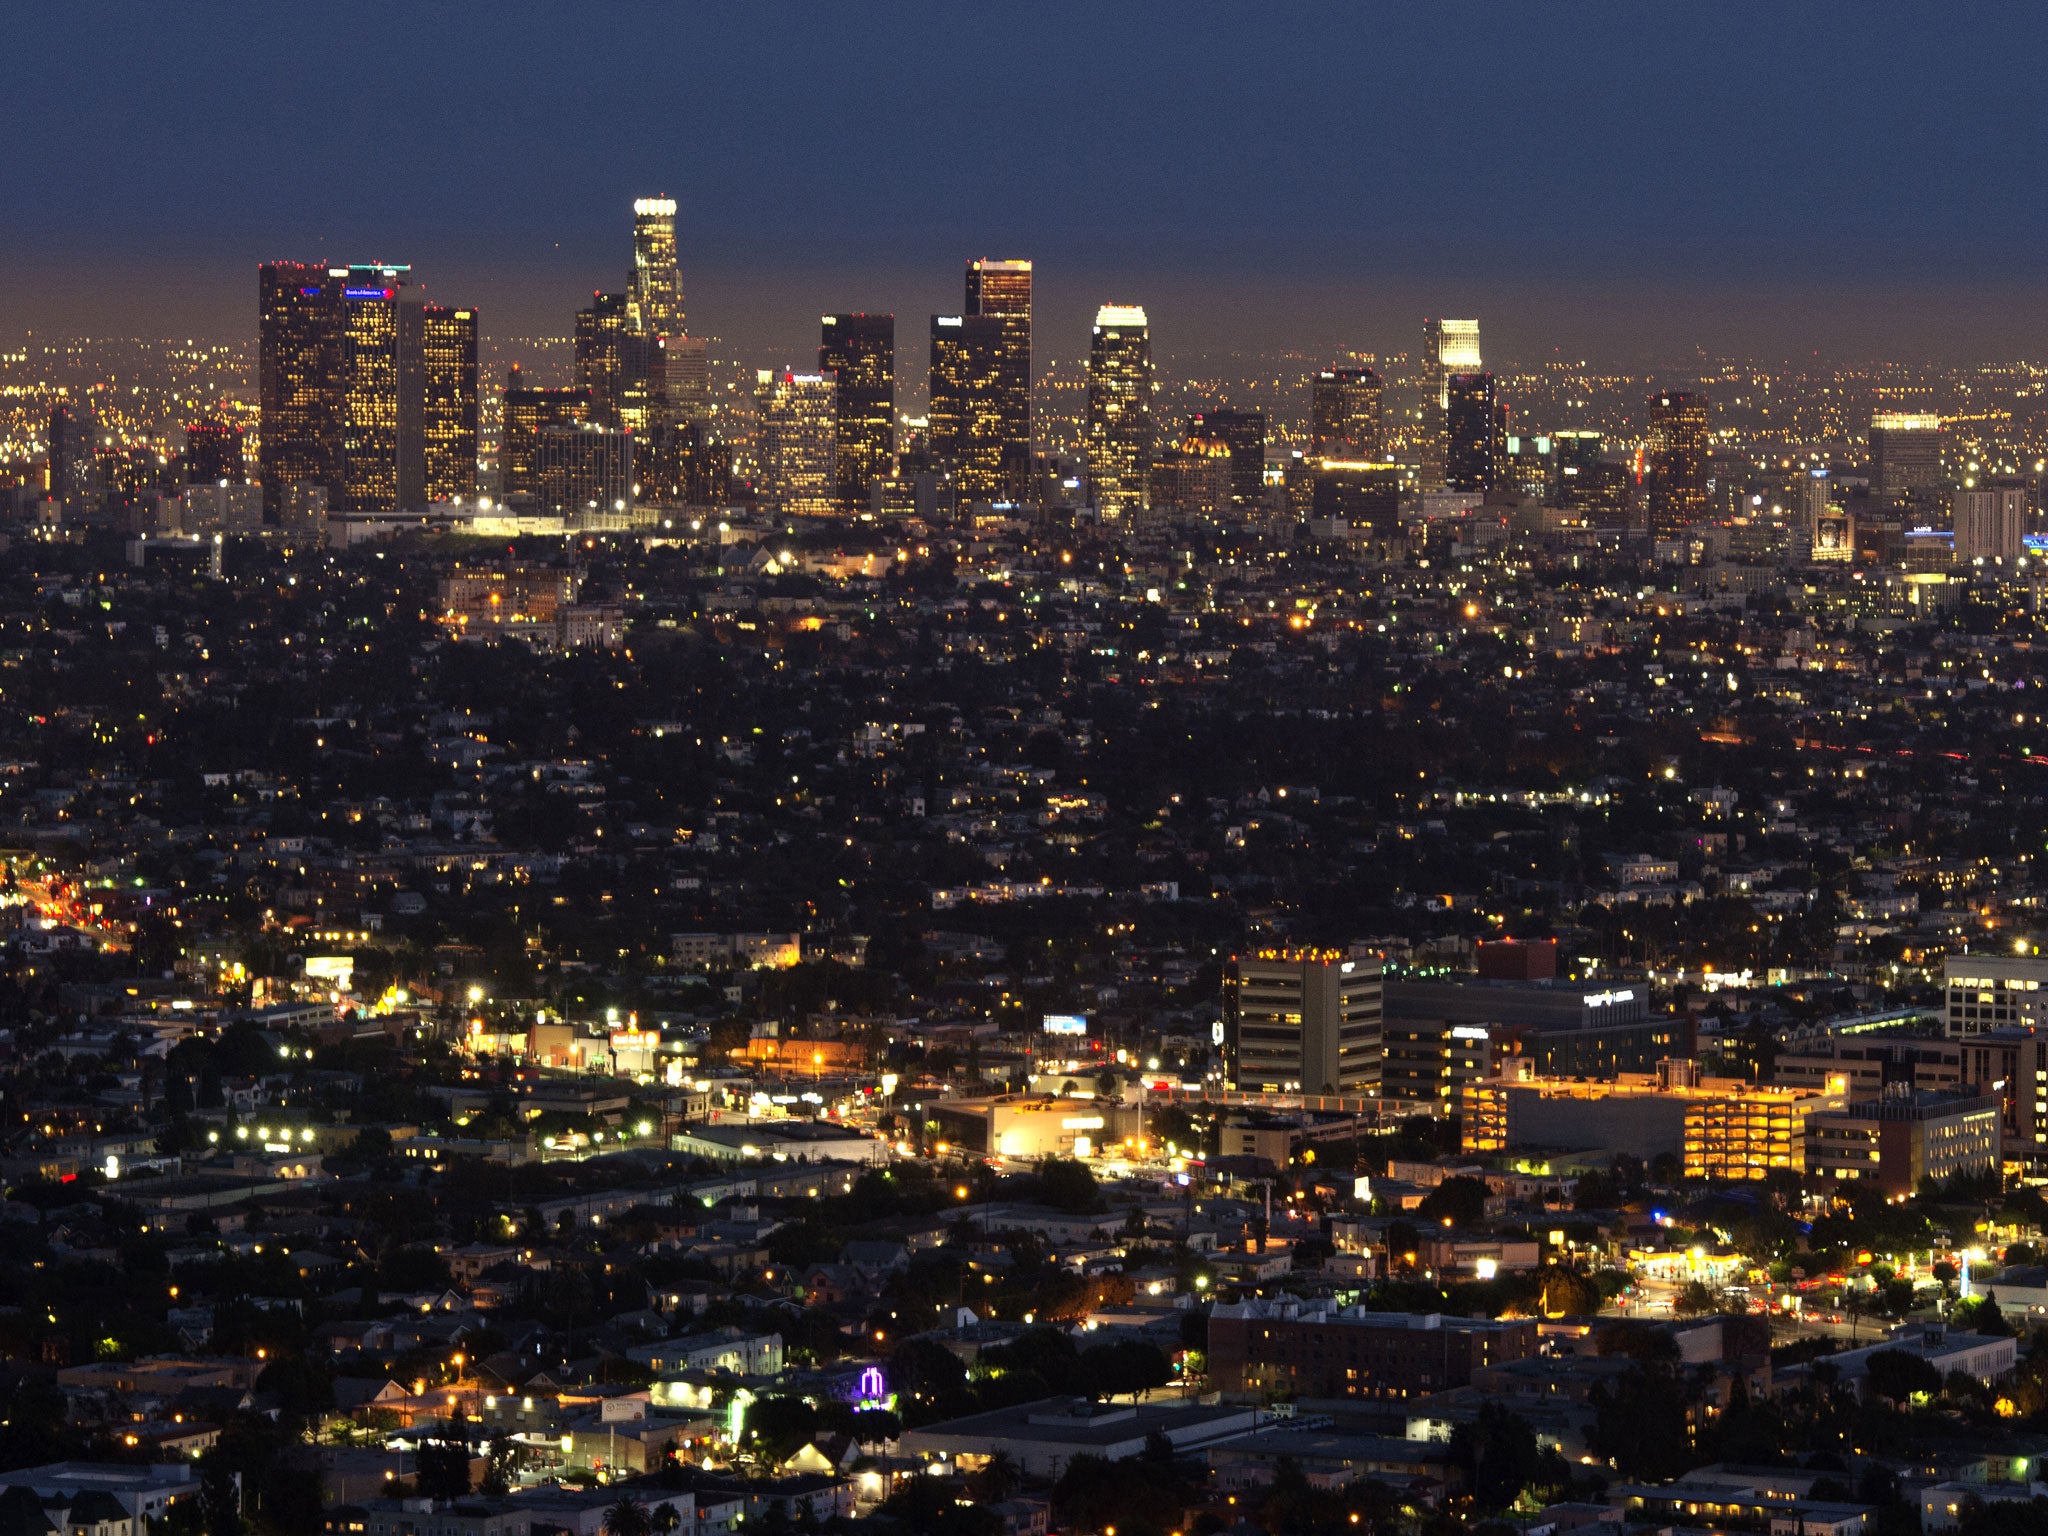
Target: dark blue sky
x: 1609, y: 179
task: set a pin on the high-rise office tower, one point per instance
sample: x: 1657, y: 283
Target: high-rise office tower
x: 1472, y: 435
x: 584, y: 471
x: 1303, y: 1021
x: 74, y: 469
x: 383, y: 448
x: 1448, y: 347
x: 656, y: 292
x: 1245, y: 432
x: 299, y: 379
x: 213, y: 453
x: 686, y: 374
x: 797, y: 443
x: 448, y: 406
x: 1675, y: 461
x: 1344, y: 415
x: 966, y: 426
x: 528, y: 413
x: 858, y: 353
x: 344, y: 381
x: 1001, y: 290
x: 1905, y: 453
x: 610, y: 356
x: 1119, y: 427
x: 1989, y: 524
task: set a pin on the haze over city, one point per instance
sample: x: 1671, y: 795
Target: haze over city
x: 1618, y: 183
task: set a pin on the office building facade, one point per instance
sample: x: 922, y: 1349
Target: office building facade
x: 298, y: 380
x: 448, y: 409
x: 797, y: 443
x: 1904, y: 1137
x: 1905, y: 454
x: 1344, y: 415
x: 965, y: 425
x: 858, y: 353
x: 351, y: 393
x: 1448, y: 347
x: 1989, y: 524
x: 383, y: 444
x: 1302, y: 1021
x: 1119, y: 422
x: 1245, y: 434
x: 213, y: 453
x: 1675, y: 470
x: 1473, y: 432
x: 584, y: 472
x: 1001, y: 291
x: 656, y: 290
x: 527, y: 413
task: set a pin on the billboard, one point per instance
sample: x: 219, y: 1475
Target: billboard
x: 1066, y: 1024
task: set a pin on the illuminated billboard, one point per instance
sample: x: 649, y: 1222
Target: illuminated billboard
x: 1065, y: 1024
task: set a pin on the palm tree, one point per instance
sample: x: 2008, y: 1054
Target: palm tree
x: 628, y: 1517
x: 664, y: 1520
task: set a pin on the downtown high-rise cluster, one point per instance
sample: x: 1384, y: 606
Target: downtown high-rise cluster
x: 369, y: 406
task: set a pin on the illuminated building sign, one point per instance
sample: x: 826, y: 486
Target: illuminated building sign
x: 1608, y: 999
x: 366, y: 293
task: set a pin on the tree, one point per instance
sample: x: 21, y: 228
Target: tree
x: 1498, y: 1454
x: 444, y: 1460
x: 1896, y: 1375
x: 779, y: 1427
x: 1980, y: 1314
x: 1695, y: 1299
x: 220, y: 1497
x: 1069, y: 1185
x: 1567, y: 1293
x: 997, y: 1479
x: 1640, y: 1422
x: 628, y: 1517
x: 1461, y: 1199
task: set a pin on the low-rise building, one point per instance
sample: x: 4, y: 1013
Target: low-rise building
x: 1042, y: 1437
x: 1904, y: 1137
x: 1315, y: 1349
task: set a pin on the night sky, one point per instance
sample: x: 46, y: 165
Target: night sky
x: 1619, y: 181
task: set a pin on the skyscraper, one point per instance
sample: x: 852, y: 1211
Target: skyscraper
x: 967, y: 427
x: 1905, y: 453
x: 1245, y: 432
x: 213, y: 453
x: 448, y: 406
x: 298, y: 380
x: 1001, y: 290
x: 74, y: 470
x: 1448, y: 347
x: 858, y: 352
x: 1119, y: 428
x: 656, y: 292
x: 584, y: 471
x: 686, y: 375
x: 528, y: 413
x: 1675, y: 461
x: 1344, y: 415
x: 1303, y: 1021
x: 1989, y: 524
x: 610, y: 357
x: 1472, y: 432
x: 797, y: 443
x: 383, y: 450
